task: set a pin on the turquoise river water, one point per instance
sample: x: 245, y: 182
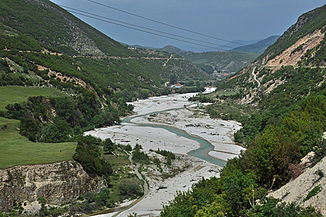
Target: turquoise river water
x: 201, y: 153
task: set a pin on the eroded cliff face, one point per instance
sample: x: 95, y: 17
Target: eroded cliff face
x: 57, y: 183
x: 297, y: 190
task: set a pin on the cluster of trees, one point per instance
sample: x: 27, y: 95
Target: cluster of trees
x: 89, y: 155
x: 139, y: 156
x: 62, y: 118
x: 131, y: 188
x: 169, y: 156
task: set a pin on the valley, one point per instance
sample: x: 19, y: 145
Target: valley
x: 177, y: 125
x: 93, y: 126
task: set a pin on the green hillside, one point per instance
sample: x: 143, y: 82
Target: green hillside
x: 281, y: 101
x: 227, y: 61
x: 39, y: 25
x: 59, y: 76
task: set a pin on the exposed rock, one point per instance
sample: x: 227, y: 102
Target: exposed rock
x: 298, y: 189
x: 57, y: 183
x: 308, y: 159
x: 292, y: 55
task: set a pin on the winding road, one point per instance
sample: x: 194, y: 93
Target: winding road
x: 255, y: 76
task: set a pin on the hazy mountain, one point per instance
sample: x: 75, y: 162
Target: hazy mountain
x: 227, y: 61
x: 258, y: 47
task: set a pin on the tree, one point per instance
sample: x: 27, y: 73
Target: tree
x: 108, y: 146
x: 239, y: 190
x: 89, y: 155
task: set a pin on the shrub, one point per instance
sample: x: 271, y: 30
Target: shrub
x: 89, y: 155
x: 140, y: 157
x: 108, y: 146
x: 130, y: 187
x: 312, y: 193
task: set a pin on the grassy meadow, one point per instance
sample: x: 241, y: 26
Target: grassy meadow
x: 16, y: 149
x: 15, y: 94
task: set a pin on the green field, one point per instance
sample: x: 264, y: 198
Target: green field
x: 15, y: 94
x: 18, y: 150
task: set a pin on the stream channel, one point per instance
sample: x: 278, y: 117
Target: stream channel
x: 201, y: 152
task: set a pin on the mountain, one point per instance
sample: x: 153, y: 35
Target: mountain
x: 210, y: 62
x: 237, y: 43
x: 228, y: 61
x: 281, y: 73
x: 172, y: 49
x: 44, y: 29
x: 280, y: 100
x: 60, y: 77
x: 258, y: 47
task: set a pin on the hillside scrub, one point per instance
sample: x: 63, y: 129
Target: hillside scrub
x: 88, y: 153
x: 263, y: 166
x: 60, y: 119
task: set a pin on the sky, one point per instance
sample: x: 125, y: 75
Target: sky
x: 244, y: 20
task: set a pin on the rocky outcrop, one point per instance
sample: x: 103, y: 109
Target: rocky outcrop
x: 292, y: 55
x: 309, y: 189
x: 57, y: 183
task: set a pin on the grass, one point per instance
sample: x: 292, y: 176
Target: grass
x: 120, y: 163
x: 15, y: 94
x: 16, y: 149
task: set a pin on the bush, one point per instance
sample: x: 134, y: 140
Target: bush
x: 272, y: 207
x: 312, y: 193
x: 140, y: 157
x: 169, y: 156
x: 89, y: 155
x: 130, y: 187
x: 108, y: 146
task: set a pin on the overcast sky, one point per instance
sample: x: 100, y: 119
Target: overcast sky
x: 226, y: 19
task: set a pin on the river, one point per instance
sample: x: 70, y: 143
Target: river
x: 201, y: 152
x: 173, y: 123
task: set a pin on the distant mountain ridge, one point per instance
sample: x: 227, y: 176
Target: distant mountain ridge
x: 176, y: 50
x: 258, y: 47
x: 210, y: 62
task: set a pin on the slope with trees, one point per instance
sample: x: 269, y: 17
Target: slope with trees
x: 283, y: 120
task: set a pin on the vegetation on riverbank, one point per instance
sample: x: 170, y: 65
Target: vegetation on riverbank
x: 263, y: 166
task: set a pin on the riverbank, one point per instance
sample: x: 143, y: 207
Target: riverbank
x: 195, y: 122
x: 190, y: 120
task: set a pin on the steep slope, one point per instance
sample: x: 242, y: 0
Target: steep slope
x: 312, y: 188
x: 258, y: 47
x: 280, y: 99
x: 41, y: 32
x: 291, y: 68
